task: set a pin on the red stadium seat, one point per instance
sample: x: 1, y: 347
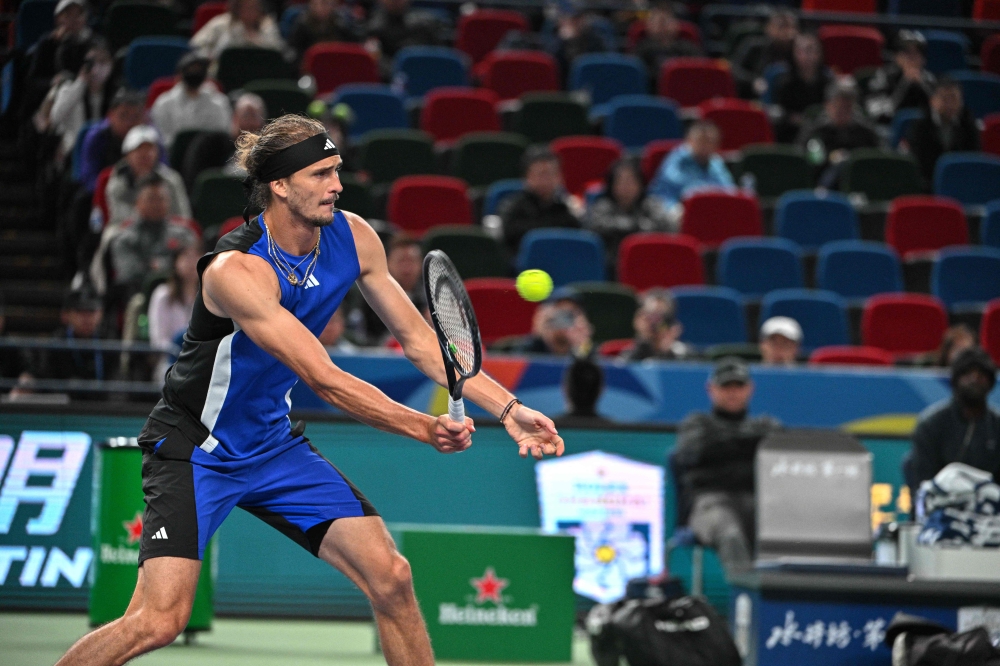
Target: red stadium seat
x: 713, y: 217
x: 450, y: 113
x: 510, y: 74
x: 333, y: 64
x: 158, y: 87
x: 989, y: 138
x: 615, y: 347
x: 205, y: 12
x: 690, y: 81
x: 229, y: 225
x: 585, y: 159
x: 920, y: 224
x: 990, y: 54
x: 850, y: 47
x: 740, y: 122
x: 500, y: 310
x: 417, y: 203
x: 903, y: 323
x: 479, y: 33
x: 656, y: 259
x: 855, y: 6
x: 989, y: 329
x: 100, y: 198
x: 653, y: 154
x: 685, y: 30
x: 851, y: 355
x: 986, y: 10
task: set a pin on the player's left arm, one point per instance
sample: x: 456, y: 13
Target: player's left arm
x: 533, y: 431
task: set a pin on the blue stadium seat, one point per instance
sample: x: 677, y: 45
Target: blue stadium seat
x: 568, y: 255
x: 608, y: 75
x: 989, y: 228
x: 375, y: 106
x: 498, y: 191
x: 423, y: 68
x: 812, y: 219
x: 710, y: 315
x: 755, y: 266
x: 966, y: 276
x: 821, y: 314
x: 771, y: 74
x: 288, y: 18
x: 149, y: 58
x: 34, y: 19
x: 926, y: 7
x: 858, y: 269
x: 901, y: 125
x: 946, y: 50
x: 981, y: 91
x: 6, y: 86
x: 635, y: 120
x: 971, y: 178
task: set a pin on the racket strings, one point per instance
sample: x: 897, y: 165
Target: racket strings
x: 452, y: 317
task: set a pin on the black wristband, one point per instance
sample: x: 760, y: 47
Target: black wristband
x: 510, y: 406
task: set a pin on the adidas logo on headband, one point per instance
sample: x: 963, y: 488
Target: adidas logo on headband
x: 329, y: 144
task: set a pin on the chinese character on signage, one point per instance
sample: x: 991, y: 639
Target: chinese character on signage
x: 837, y: 634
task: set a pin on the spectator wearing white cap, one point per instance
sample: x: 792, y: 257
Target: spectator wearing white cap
x: 141, y: 150
x: 780, y: 341
x: 194, y: 103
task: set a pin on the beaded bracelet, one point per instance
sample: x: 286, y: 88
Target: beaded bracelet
x: 506, y: 410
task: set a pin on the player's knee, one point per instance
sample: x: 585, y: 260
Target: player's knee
x: 395, y: 584
x: 158, y: 629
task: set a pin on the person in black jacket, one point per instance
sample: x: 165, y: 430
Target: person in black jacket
x: 715, y: 457
x: 583, y: 383
x: 963, y: 428
x: 543, y: 203
x: 802, y: 87
x: 755, y: 54
x: 322, y: 21
x: 946, y: 126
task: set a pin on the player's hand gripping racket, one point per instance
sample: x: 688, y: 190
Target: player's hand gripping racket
x: 455, y: 324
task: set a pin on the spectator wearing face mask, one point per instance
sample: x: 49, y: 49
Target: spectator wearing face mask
x: 192, y: 104
x: 83, y: 99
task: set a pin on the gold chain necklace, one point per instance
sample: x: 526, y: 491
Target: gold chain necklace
x: 286, y: 267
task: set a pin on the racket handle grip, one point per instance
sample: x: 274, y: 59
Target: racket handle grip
x: 456, y: 410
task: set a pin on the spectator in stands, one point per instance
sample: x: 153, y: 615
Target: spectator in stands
x: 956, y: 340
x: 404, y: 257
x: 102, y: 145
x: 715, y: 458
x: 780, y: 341
x: 332, y: 337
x: 662, y: 40
x: 802, y: 87
x: 395, y: 24
x: 322, y: 21
x: 840, y: 129
x: 141, y: 149
x: 82, y: 99
x: 560, y: 327
x: 575, y: 34
x: 246, y: 23
x: 947, y: 125
x: 193, y: 103
x: 757, y: 53
x: 61, y: 50
x: 170, y: 304
x: 657, y: 331
x: 212, y: 150
x: 625, y: 208
x: 695, y: 165
x: 963, y: 428
x: 147, y: 243
x: 903, y: 83
x: 582, y: 385
x: 543, y: 203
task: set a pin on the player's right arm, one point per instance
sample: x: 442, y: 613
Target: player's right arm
x: 244, y: 288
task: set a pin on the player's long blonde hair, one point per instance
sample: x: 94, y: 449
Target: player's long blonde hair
x: 252, y: 150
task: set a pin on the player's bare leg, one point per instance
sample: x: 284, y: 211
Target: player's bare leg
x: 157, y: 614
x: 364, y: 551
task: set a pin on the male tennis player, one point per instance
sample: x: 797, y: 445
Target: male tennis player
x: 221, y: 437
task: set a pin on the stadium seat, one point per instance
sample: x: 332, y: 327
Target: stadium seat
x: 149, y: 58
x: 986, y: 10
x: 34, y: 19
x: 989, y: 55
x: 423, y: 68
x: 852, y: 6
x: 474, y: 254
x: 686, y: 30
x: 858, y: 269
x: 755, y: 266
x: 654, y: 259
x: 498, y: 191
x: 482, y: 158
x: 981, y: 92
x: 375, y: 106
x: 989, y: 330
x: 238, y: 65
x: 332, y: 64
x: 740, y: 122
x: 851, y: 355
x: 946, y: 8
x: 921, y: 224
x: 610, y: 308
x: 821, y: 314
x: 653, y: 154
x: 389, y: 154
x: 510, y: 74
x: 880, y: 175
x: 989, y: 227
x: 356, y: 196
x: 903, y: 324
x: 946, y: 50
x: 449, y: 113
x: 710, y: 315
x: 901, y: 122
x: 125, y: 20
x: 500, y: 310
x: 205, y: 12
x: 605, y: 76
x: 971, y: 178
x: 280, y: 96
x: 989, y: 138
x: 6, y: 86
x: 812, y: 219
x: 713, y: 217
x: 848, y: 48
x: 568, y: 255
x: 217, y: 196
x: 418, y: 203
x: 158, y: 87
x: 585, y: 159
x: 637, y: 120
x: 479, y: 33
x: 546, y: 116
x: 965, y: 278
x: 691, y: 81
x: 776, y: 169
x: 179, y: 148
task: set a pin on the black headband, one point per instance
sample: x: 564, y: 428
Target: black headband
x: 296, y: 157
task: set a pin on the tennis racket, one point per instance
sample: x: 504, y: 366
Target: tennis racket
x: 455, y: 324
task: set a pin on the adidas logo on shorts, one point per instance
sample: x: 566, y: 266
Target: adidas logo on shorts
x: 160, y: 533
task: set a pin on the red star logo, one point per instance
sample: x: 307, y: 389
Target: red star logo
x: 488, y: 587
x: 133, y: 528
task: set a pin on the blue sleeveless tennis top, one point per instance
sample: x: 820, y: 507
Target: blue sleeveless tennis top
x: 238, y: 393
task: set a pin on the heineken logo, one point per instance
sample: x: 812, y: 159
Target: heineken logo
x: 489, y: 588
x: 120, y: 554
x: 133, y: 528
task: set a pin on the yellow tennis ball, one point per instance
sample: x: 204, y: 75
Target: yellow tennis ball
x: 534, y: 285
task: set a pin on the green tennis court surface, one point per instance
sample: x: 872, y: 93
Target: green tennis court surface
x: 37, y: 639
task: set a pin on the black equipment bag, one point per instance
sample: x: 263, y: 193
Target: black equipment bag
x: 919, y: 642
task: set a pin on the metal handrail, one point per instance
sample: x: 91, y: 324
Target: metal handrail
x: 85, y: 344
